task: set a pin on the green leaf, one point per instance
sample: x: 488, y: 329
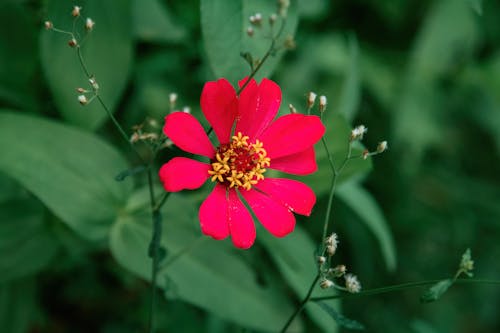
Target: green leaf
x: 224, y: 25
x: 436, y: 291
x: 351, y: 91
x: 17, y: 305
x: 19, y: 64
x: 368, y: 210
x: 26, y: 243
x: 107, y: 52
x: 477, y: 6
x: 295, y: 257
x: 341, y: 320
x: 72, y: 172
x: 337, y: 138
x: 154, y: 23
x: 207, y: 273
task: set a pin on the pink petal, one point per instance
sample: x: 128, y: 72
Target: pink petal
x: 302, y: 163
x: 258, y: 105
x: 182, y: 173
x: 291, y: 134
x: 188, y: 134
x: 214, y: 214
x: 240, y: 222
x: 275, y: 217
x: 294, y: 195
x: 220, y: 106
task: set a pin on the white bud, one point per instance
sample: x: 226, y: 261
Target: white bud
x: 325, y: 284
x: 82, y: 99
x: 292, y: 109
x: 366, y: 153
x: 322, y: 103
x: 186, y: 109
x: 48, y: 25
x: 89, y: 24
x: 321, y: 260
x: 311, y: 98
x: 76, y: 11
x: 337, y: 271
x: 382, y: 146
x: 250, y: 31
x: 272, y: 19
x: 172, y: 98
x: 94, y: 83
x: 331, y: 243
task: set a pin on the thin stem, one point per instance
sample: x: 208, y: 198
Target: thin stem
x: 402, y: 286
x: 301, y: 306
x: 264, y: 58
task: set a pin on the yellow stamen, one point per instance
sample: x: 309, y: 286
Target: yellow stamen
x: 240, y: 163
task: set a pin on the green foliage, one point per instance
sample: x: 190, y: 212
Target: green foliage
x: 341, y: 320
x: 196, y: 270
x: 364, y: 205
x: 423, y: 75
x: 70, y: 171
x: 26, y: 237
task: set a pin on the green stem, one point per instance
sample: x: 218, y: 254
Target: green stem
x: 301, y: 306
x: 402, y: 286
x: 264, y: 58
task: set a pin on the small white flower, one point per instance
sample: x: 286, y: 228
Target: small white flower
x: 352, y: 284
x: 186, y: 109
x: 358, y: 132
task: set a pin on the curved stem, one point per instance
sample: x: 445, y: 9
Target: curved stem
x: 301, y: 306
x: 402, y: 286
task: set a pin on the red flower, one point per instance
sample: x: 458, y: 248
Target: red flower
x: 240, y: 161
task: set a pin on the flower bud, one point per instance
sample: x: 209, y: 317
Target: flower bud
x: 337, y: 271
x: 94, y: 83
x: 325, y: 284
x: 382, y: 146
x: 81, y: 90
x: 186, y: 109
x: 272, y: 19
x: 292, y: 108
x: 311, y: 97
x: 76, y: 11
x: 72, y: 42
x: 322, y: 103
x: 82, y: 99
x: 172, y: 98
x: 250, y: 31
x: 365, y: 154
x: 321, y: 260
x: 89, y: 24
x: 48, y: 25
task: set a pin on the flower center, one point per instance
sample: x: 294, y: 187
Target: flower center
x: 240, y: 163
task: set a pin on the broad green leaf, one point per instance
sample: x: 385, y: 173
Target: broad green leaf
x: 72, y: 172
x: 16, y: 56
x: 436, y: 291
x: 17, y: 305
x: 341, y: 320
x: 365, y: 206
x: 107, y: 53
x: 26, y: 243
x: 224, y: 25
x: 198, y: 270
x: 337, y: 139
x: 154, y: 23
x: 351, y: 90
x: 295, y: 257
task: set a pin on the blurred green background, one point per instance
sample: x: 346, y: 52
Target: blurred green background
x: 423, y: 75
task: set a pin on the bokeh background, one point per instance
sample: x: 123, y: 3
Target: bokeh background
x: 423, y: 75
